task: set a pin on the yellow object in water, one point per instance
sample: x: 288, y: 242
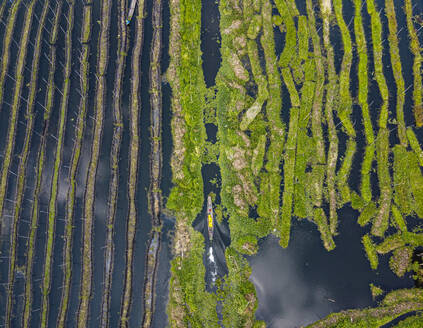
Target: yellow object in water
x: 210, y: 220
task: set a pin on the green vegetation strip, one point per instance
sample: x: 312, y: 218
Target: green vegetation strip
x: 155, y: 165
x: 381, y: 221
x: 393, y: 305
x: 291, y: 35
x: 377, y: 44
x: 363, y: 83
x: 76, y: 154
x: 57, y: 165
x: 189, y: 303
x: 7, y: 43
x: 344, y: 172
x: 416, y: 182
x: 345, y: 106
x: 416, y: 50
x: 86, y: 277
x: 316, y: 123
x: 135, y: 110
x: 289, y: 168
x: 114, y: 162
x: 13, y: 115
x: 414, y: 143
x: 401, y: 179
x: 237, y: 293
x: 397, y: 68
x: 370, y: 249
x: 39, y: 169
x: 24, y: 155
x: 187, y: 82
x: 331, y: 107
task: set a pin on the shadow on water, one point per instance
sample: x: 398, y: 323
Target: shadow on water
x: 303, y: 283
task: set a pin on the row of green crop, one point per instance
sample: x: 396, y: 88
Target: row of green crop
x: 24, y: 155
x: 102, y: 59
x: 76, y: 154
x: 41, y: 156
x: 376, y: 27
x: 114, y: 162
x: 330, y: 108
x: 415, y: 49
x: 135, y: 109
x: 189, y: 303
x: 396, y: 68
x: 186, y: 79
x: 345, y: 106
x: 381, y: 221
x: 7, y: 42
x: 312, y: 94
x: 363, y: 83
x: 57, y: 165
x: 155, y: 197
x: 287, y: 55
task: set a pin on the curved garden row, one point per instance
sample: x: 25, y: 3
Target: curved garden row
x: 41, y: 157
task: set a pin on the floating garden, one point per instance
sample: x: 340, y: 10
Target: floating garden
x: 315, y: 107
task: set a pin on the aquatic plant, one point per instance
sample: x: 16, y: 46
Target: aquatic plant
x: 396, y: 68
x: 345, y: 106
x: 415, y: 49
x: 362, y: 72
x: 401, y: 180
x: 395, y: 304
x: 330, y: 108
x: 377, y: 44
x: 381, y: 222
x: 237, y: 294
x: 370, y: 249
x: 317, y: 72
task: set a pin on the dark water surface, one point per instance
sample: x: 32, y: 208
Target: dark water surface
x: 295, y: 286
x: 303, y: 283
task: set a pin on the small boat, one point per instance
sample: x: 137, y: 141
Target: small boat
x: 131, y: 11
x: 210, y: 220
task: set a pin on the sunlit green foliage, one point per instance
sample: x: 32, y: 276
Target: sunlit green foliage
x: 377, y: 44
x: 402, y: 190
x: 396, y: 68
x: 362, y: 72
x: 381, y: 222
x: 370, y: 249
x: 416, y: 50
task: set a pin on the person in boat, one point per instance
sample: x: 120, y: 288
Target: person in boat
x: 210, y: 218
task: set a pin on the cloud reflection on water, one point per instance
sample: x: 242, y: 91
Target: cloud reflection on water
x: 303, y: 283
x: 300, y: 304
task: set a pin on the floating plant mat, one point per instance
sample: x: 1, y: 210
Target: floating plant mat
x: 301, y: 119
